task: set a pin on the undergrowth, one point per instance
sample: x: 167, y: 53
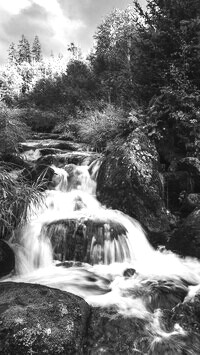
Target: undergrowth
x: 16, y: 194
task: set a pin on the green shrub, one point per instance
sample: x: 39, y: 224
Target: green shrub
x: 41, y: 120
x: 100, y: 128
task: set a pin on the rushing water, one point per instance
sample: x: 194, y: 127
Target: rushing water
x: 118, y: 265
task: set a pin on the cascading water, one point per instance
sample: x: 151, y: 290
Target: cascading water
x: 113, y: 264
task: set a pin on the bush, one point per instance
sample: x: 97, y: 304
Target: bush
x: 100, y: 128
x: 40, y: 120
x: 15, y: 197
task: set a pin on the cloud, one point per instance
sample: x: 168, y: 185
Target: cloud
x: 56, y: 22
x: 13, y: 7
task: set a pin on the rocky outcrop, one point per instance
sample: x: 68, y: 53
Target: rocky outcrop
x: 192, y: 166
x: 7, y: 259
x: 129, y: 180
x: 186, y: 239
x: 174, y: 183
x: 39, y: 320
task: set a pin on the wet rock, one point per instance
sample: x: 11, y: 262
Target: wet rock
x: 129, y: 180
x: 186, y: 239
x: 111, y: 333
x: 7, y: 259
x: 187, y: 314
x: 183, y: 329
x: 51, y: 143
x: 149, y: 333
x: 68, y: 264
x: 39, y: 320
x: 129, y: 272
x: 174, y: 184
x: 192, y: 166
x: 87, y: 240
x: 77, y: 158
x: 189, y: 202
x: 158, y: 294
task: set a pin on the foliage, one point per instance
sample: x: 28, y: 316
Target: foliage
x: 36, y: 50
x: 71, y: 88
x: 112, y: 59
x: 174, y: 115
x: 40, y: 120
x: 100, y: 128
x: 167, y: 35
x: 24, y: 52
x: 12, y: 129
x: 15, y: 197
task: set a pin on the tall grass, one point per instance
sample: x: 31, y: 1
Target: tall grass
x: 16, y: 194
x: 12, y: 129
x: 99, y: 128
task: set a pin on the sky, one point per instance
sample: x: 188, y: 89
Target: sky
x: 56, y: 22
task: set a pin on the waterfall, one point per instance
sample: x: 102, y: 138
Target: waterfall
x: 72, y: 224
x: 111, y: 261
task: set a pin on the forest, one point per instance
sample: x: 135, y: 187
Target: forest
x: 144, y: 72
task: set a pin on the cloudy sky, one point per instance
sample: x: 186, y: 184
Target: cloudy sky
x: 56, y: 22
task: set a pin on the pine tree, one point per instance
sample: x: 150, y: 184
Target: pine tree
x: 24, y: 53
x: 12, y: 54
x: 36, y: 50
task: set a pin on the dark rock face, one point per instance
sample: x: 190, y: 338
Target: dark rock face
x: 35, y: 319
x: 129, y: 180
x: 7, y: 259
x: 192, y: 166
x: 174, y: 184
x: 186, y: 240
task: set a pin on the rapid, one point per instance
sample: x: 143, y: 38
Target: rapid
x: 75, y: 244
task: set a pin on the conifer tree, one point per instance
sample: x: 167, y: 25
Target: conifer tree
x: 12, y: 54
x: 24, y: 53
x: 36, y: 50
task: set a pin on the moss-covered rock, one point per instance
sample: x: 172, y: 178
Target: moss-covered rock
x: 129, y: 180
x: 39, y: 320
x: 186, y: 239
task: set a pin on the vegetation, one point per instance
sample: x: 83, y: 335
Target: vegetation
x: 99, y: 128
x: 144, y: 71
x: 16, y: 195
x: 12, y: 129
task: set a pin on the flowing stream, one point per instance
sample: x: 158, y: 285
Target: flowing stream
x: 112, y: 264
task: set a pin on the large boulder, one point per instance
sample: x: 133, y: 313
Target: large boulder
x: 186, y: 239
x: 129, y: 181
x: 36, y: 319
x: 7, y: 259
x: 87, y: 240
